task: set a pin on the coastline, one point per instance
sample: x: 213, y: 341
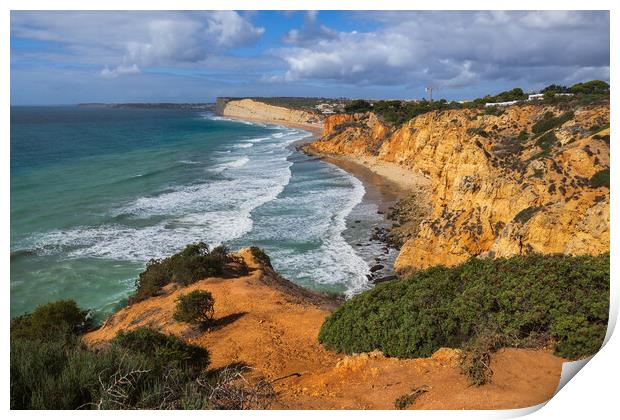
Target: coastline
x: 384, y: 191
x: 317, y: 130
x: 384, y: 186
x: 385, y: 183
x: 391, y: 178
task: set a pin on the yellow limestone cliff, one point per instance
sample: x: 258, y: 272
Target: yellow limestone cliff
x: 493, y: 188
x: 249, y: 109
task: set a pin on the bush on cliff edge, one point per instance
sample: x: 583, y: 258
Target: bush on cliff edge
x: 142, y: 368
x: 529, y: 301
x: 195, y: 262
x: 195, y: 308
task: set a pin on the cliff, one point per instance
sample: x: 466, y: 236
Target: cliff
x: 493, y: 187
x: 249, y: 109
x: 269, y: 324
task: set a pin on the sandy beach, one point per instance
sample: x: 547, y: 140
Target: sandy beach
x: 390, y: 177
x: 316, y: 129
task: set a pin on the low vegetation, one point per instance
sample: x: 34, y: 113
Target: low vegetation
x: 138, y: 369
x: 515, y: 94
x: 527, y: 301
x: 60, y: 320
x: 397, y: 112
x: 550, y: 121
x: 547, y: 141
x: 195, y: 308
x: 596, y: 87
x: 526, y: 214
x: 195, y: 262
x: 600, y: 179
x: 261, y: 256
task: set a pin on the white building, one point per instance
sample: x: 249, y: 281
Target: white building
x: 535, y: 96
x: 508, y: 103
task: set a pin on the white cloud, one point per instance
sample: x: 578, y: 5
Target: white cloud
x: 452, y: 48
x: 229, y: 29
x: 123, y: 42
x: 108, y: 73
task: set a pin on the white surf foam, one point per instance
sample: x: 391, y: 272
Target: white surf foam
x: 221, y: 209
x: 215, y: 211
x: 238, y: 163
x: 336, y: 260
x: 310, y: 221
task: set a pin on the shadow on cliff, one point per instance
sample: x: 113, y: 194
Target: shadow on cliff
x: 223, y: 321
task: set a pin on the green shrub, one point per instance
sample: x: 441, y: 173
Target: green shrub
x: 145, y: 369
x: 357, y: 105
x: 398, y: 112
x: 538, y: 173
x: 596, y: 87
x: 163, y: 351
x: 600, y: 179
x: 51, y: 321
x: 523, y: 298
x: 597, y: 128
x: 405, y: 400
x: 260, y: 255
x: 494, y: 110
x: 515, y: 94
x: 553, y: 89
x: 546, y: 141
x: 140, y: 369
x: 195, y: 308
x: 50, y: 375
x: 195, y: 262
x: 605, y: 138
x: 550, y: 121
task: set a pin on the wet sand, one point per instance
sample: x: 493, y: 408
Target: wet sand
x: 379, y: 189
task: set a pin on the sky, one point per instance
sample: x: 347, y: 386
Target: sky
x: 64, y: 57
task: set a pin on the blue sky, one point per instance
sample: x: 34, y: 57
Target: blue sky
x: 140, y: 56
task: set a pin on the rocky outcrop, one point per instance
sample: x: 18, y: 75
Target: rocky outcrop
x: 494, y: 187
x: 249, y: 109
x: 270, y: 325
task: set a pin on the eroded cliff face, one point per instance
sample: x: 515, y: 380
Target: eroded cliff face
x: 249, y: 109
x: 492, y: 190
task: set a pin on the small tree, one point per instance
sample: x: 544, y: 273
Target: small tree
x: 195, y: 308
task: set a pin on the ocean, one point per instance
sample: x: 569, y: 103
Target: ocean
x: 98, y: 192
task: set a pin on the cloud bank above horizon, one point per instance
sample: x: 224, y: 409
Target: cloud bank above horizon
x: 91, y: 56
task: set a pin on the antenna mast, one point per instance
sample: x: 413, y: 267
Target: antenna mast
x: 429, y: 89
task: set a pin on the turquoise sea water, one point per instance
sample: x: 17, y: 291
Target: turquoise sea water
x: 96, y: 193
